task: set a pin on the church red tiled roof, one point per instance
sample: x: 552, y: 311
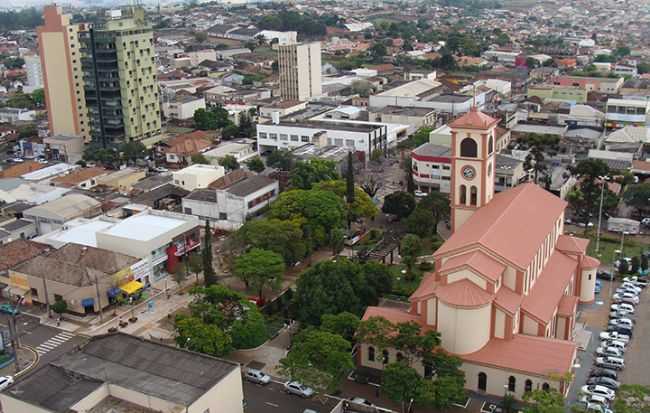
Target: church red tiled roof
x: 463, y: 293
x: 426, y: 288
x: 479, y: 261
x: 527, y: 354
x: 571, y: 244
x: 394, y: 315
x: 526, y: 207
x: 474, y: 119
x: 590, y: 263
x: 508, y: 299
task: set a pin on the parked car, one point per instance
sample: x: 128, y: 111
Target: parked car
x: 640, y: 282
x: 595, y: 399
x: 621, y: 322
x: 632, y: 285
x: 359, y: 400
x: 609, y: 351
x: 613, y: 335
x: 620, y: 314
x: 16, y: 160
x: 257, y: 376
x: 299, y: 389
x: 621, y: 329
x: 605, y: 382
x: 613, y: 363
x: 598, y: 391
x: 616, y: 344
x: 598, y: 372
x: 624, y: 290
x: 605, y: 275
x: 622, y: 306
x: 6, y: 381
x: 7, y: 308
x: 625, y: 298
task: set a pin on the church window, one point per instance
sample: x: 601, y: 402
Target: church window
x: 528, y: 387
x: 490, y: 145
x: 385, y: 357
x: 371, y: 354
x: 512, y: 382
x: 473, y: 196
x: 463, y: 195
x: 468, y: 148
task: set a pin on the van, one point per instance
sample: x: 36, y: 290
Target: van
x: 614, y: 363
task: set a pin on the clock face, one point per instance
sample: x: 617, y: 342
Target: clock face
x: 469, y: 172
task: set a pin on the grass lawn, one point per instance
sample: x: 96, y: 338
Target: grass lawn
x: 610, y: 243
x: 402, y: 286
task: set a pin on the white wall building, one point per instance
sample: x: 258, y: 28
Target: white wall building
x: 300, y: 71
x: 197, y: 176
x: 242, y: 150
x: 621, y: 112
x: 34, y: 73
x: 183, y: 107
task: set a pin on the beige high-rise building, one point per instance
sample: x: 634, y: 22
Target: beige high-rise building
x: 58, y: 44
x: 300, y: 71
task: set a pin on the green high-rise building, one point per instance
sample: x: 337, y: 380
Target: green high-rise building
x: 121, y: 88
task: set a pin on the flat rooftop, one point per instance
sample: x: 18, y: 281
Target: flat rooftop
x: 329, y: 125
x: 144, y: 227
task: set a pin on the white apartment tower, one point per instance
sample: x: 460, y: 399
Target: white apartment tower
x: 300, y: 71
x: 34, y: 73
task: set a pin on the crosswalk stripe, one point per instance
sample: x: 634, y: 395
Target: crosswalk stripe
x: 64, y: 334
x: 48, y: 346
x: 57, y: 340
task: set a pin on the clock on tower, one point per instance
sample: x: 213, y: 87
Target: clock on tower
x: 473, y: 157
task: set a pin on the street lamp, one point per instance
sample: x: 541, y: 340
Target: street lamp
x: 603, y: 179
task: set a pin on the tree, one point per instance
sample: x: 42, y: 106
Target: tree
x: 632, y: 398
x: 209, y: 276
x: 319, y: 359
x: 60, y: 306
x: 284, y: 237
x: 408, y: 168
x: 344, y: 324
x: 199, y: 158
x: 399, y: 203
x: 259, y: 269
x: 542, y: 401
x: 407, y: 338
x: 438, y: 204
x: 256, y: 164
x: 637, y: 196
x: 371, y: 186
x: 250, y: 331
x: 361, y: 205
x: 195, y: 335
x: 377, y: 51
x: 305, y: 174
x: 402, y: 384
x: 230, y: 131
x: 623, y: 267
x: 643, y: 264
x: 229, y: 162
x: 421, y: 222
x: 38, y: 97
x: 131, y: 151
x: 337, y: 240
x: 635, y: 265
x: 349, y: 181
x: 362, y: 87
x: 586, y: 202
x: 200, y: 37
x: 14, y: 62
x: 410, y: 247
x: 195, y: 264
x: 215, y: 117
x: 20, y: 100
x: 280, y: 159
x: 180, y: 272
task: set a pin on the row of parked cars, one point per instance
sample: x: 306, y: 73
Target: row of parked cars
x: 602, y: 384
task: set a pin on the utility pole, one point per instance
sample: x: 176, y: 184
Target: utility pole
x: 99, y: 300
x: 47, y: 297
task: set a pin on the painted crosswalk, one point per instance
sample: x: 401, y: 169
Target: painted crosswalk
x: 53, y: 343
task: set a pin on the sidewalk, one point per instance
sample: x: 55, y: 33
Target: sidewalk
x: 268, y: 355
x: 26, y: 359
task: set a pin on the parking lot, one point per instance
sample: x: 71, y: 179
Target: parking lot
x: 595, y: 316
x: 271, y: 398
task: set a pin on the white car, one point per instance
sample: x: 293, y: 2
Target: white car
x: 622, y: 322
x: 596, y: 390
x: 626, y: 298
x: 6, y: 381
x: 299, y: 389
x: 622, y: 306
x: 609, y: 351
x: 257, y: 376
x: 17, y: 160
x: 613, y: 335
x: 632, y: 285
x: 420, y: 194
x: 636, y: 281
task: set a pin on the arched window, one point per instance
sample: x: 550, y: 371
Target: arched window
x: 371, y: 354
x: 528, y: 386
x: 482, y: 381
x: 463, y: 195
x: 512, y: 383
x: 384, y: 357
x: 468, y: 148
x: 489, y: 169
x: 428, y: 370
x: 473, y: 196
x: 490, y: 145
x: 546, y: 387
x: 399, y: 357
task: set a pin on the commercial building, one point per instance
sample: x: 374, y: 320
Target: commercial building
x: 503, y: 299
x: 556, y: 93
x: 431, y: 168
x: 362, y: 138
x: 86, y: 278
x: 82, y: 178
x: 118, y: 60
x: 229, y: 208
x: 300, y: 71
x: 122, y: 180
x: 415, y: 117
x: 605, y: 85
x: 63, y: 78
x: 159, y: 238
x: 241, y: 149
x: 51, y: 216
x: 197, y: 176
x: 622, y: 112
x: 64, y: 148
x: 123, y: 373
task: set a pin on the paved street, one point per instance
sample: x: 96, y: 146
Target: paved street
x: 272, y: 399
x: 637, y: 362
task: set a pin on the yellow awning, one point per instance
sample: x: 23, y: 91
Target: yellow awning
x: 132, y: 287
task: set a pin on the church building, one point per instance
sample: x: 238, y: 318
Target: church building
x: 506, y: 284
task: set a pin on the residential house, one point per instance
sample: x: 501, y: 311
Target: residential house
x: 197, y: 176
x: 82, y: 178
x: 180, y: 148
